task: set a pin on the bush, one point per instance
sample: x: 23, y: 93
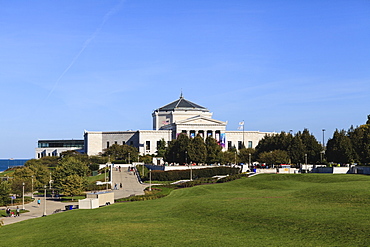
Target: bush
x: 197, y: 173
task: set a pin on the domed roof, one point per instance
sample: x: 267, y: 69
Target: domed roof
x: 182, y: 104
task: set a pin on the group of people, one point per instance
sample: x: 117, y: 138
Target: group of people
x: 116, y: 186
x: 10, y: 213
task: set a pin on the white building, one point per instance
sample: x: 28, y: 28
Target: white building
x: 179, y: 116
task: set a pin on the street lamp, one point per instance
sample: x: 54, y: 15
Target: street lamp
x: 44, y: 201
x: 32, y: 187
x: 150, y: 179
x: 249, y: 160
x: 129, y: 158
x: 305, y: 161
x: 323, y: 138
x: 23, y: 196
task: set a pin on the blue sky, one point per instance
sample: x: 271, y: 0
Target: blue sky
x: 70, y: 66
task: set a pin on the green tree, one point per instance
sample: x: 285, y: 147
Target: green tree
x: 20, y: 176
x: 230, y: 157
x: 213, y: 150
x: 197, y: 150
x: 161, y: 148
x: 68, y: 167
x: 4, y: 192
x: 311, y: 145
x: 245, y: 153
x: 275, y: 157
x: 72, y: 185
x: 122, y: 152
x: 296, y: 150
x: 339, y: 148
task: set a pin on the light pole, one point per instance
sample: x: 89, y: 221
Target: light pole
x: 150, y: 179
x: 50, y: 182
x: 106, y: 183
x: 191, y: 172
x: 323, y: 138
x: 32, y: 187
x: 129, y: 158
x: 305, y: 161
x: 44, y: 201
x: 23, y: 196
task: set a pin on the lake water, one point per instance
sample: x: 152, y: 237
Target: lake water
x: 7, y: 163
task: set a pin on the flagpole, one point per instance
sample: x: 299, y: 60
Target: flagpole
x: 243, y: 134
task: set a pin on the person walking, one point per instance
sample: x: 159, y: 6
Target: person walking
x: 17, y: 211
x: 7, y: 212
x: 38, y: 202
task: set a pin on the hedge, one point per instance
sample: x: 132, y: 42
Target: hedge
x: 196, y: 173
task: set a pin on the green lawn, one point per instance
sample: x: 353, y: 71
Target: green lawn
x: 265, y: 210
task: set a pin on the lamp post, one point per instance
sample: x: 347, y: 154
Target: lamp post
x: 50, y: 181
x: 323, y: 138
x: 305, y: 161
x: 32, y: 187
x: 191, y: 172
x: 250, y: 160
x: 23, y: 196
x: 129, y: 158
x: 44, y: 201
x: 150, y: 179
x: 106, y: 183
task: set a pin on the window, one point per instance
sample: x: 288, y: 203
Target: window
x: 192, y: 133
x: 250, y: 144
x: 123, y: 143
x: 115, y: 142
x: 107, y: 144
x: 147, y: 145
x: 229, y: 144
x: 240, y: 145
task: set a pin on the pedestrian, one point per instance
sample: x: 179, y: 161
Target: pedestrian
x: 115, y: 186
x: 7, y: 212
x: 119, y: 168
x: 38, y: 202
x: 17, y: 211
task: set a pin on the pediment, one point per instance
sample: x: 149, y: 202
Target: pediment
x: 201, y: 120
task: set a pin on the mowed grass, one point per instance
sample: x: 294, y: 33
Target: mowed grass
x: 265, y: 210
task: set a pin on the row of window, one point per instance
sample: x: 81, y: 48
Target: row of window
x: 240, y: 144
x: 147, y: 144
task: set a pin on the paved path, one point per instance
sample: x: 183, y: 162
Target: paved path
x: 130, y: 186
x: 130, y: 183
x: 36, y: 211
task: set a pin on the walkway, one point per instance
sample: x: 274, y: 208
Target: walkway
x: 130, y: 186
x: 130, y: 183
x: 36, y: 211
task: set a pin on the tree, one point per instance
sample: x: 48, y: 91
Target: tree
x: 213, y: 150
x: 230, y: 157
x: 274, y: 157
x: 245, y: 153
x: 4, y: 192
x: 68, y: 167
x: 122, y: 152
x: 20, y: 176
x: 312, y: 146
x: 161, y: 148
x: 296, y: 150
x: 197, y: 150
x: 72, y: 185
x: 339, y: 148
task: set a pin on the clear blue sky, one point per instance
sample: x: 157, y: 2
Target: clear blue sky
x: 70, y: 66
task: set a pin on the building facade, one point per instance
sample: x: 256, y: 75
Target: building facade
x: 169, y: 121
x: 56, y: 147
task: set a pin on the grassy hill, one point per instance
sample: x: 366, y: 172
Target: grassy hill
x: 265, y: 210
